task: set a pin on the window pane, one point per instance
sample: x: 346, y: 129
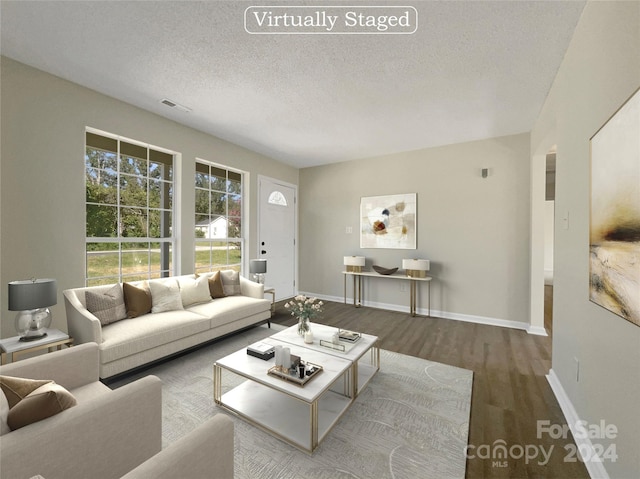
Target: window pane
x: 159, y: 223
x: 106, y: 160
x: 218, y: 179
x: 133, y: 191
x: 133, y: 223
x: 203, y: 256
x: 135, y: 258
x: 102, y: 221
x: 161, y: 263
x: 235, y: 205
x: 101, y: 186
x: 235, y: 255
x: 160, y: 193
x: 160, y: 165
x: 202, y: 176
x: 235, y: 182
x: 202, y: 201
x: 218, y: 203
x: 235, y: 229
x: 102, y: 260
x: 133, y: 166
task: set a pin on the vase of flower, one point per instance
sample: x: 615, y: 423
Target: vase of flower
x: 304, y: 309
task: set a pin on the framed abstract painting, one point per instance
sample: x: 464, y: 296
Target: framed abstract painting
x: 388, y: 221
x: 614, y: 236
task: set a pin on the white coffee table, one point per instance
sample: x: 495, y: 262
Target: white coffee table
x: 363, y: 369
x: 299, y: 415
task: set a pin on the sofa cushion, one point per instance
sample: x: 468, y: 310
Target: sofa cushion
x: 137, y: 299
x: 232, y: 308
x: 16, y: 389
x: 194, y: 290
x: 230, y: 282
x: 108, y: 306
x: 4, y: 413
x: 46, y: 401
x: 125, y: 338
x: 165, y: 295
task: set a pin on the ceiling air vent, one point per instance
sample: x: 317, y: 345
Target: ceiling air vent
x: 175, y: 105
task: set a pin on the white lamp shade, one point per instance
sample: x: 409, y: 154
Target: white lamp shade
x: 32, y: 294
x: 416, y: 264
x: 354, y: 260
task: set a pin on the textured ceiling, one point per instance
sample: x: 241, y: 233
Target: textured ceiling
x: 473, y: 70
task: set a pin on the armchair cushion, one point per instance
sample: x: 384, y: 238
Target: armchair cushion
x: 46, y: 401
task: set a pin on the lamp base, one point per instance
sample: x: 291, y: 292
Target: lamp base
x: 354, y: 269
x: 32, y: 324
x: 33, y: 338
x: 416, y: 273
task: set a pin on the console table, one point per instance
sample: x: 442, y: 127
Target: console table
x: 413, y: 287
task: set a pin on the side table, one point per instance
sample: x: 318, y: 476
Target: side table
x: 11, y: 348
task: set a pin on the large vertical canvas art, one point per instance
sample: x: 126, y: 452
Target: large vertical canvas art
x: 615, y: 213
x: 388, y: 221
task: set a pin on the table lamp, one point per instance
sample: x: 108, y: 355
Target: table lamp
x: 416, y: 268
x: 32, y: 299
x: 258, y: 267
x: 354, y: 264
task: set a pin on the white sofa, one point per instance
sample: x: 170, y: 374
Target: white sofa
x: 108, y: 434
x: 133, y: 342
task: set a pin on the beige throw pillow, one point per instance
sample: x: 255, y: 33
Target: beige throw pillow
x: 16, y: 389
x: 165, y: 296
x: 44, y: 402
x: 215, y: 285
x: 194, y: 290
x: 137, y: 299
x: 230, y: 282
x: 107, y: 306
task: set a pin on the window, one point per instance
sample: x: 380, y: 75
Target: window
x: 129, y: 205
x: 218, y: 218
x: 277, y: 198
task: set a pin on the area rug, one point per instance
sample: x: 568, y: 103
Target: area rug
x: 411, y: 421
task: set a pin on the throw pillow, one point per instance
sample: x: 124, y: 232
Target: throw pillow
x: 107, y: 306
x: 44, y: 402
x: 230, y: 282
x: 4, y: 413
x: 215, y: 285
x: 137, y: 299
x: 16, y: 389
x: 165, y: 296
x: 194, y: 290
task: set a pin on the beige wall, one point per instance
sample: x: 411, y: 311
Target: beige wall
x: 600, y: 71
x: 42, y: 189
x: 475, y: 231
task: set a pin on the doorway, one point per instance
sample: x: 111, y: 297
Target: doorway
x: 277, y: 234
x: 549, y: 235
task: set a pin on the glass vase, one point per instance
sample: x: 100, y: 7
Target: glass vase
x: 303, y: 326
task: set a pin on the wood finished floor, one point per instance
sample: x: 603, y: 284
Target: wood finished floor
x: 510, y: 390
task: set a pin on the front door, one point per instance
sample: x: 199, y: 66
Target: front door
x: 277, y: 234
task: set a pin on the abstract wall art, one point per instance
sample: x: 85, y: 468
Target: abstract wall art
x: 614, y: 262
x: 388, y: 221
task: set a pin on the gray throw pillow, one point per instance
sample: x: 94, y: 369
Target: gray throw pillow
x: 107, y: 306
x: 230, y: 282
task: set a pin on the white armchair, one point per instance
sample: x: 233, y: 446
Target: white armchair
x: 109, y: 433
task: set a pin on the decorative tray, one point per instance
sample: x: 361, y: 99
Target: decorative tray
x: 280, y: 373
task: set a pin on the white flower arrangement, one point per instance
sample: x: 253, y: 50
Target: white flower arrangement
x: 304, y: 309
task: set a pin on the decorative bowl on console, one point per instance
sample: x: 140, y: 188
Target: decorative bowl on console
x: 385, y: 271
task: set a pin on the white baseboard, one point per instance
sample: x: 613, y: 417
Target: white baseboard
x: 503, y: 323
x: 593, y: 463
